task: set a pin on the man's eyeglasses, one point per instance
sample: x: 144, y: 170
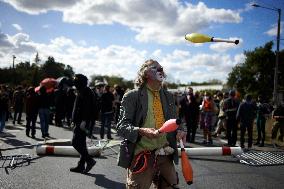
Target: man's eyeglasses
x: 158, y: 69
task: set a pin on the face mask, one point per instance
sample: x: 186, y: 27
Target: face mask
x: 160, y: 76
x: 156, y: 73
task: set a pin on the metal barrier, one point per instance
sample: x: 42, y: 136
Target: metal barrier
x: 13, y: 161
x: 262, y: 158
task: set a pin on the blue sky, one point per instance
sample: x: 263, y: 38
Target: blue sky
x: 109, y: 37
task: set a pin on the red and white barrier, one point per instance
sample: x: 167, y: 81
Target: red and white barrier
x: 65, y: 150
x: 213, y: 151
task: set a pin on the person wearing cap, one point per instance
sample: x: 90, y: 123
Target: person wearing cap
x: 231, y: 106
x: 82, y: 117
x: 148, y: 154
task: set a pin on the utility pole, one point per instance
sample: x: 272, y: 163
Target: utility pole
x: 276, y: 99
x: 14, y: 73
x: 14, y: 57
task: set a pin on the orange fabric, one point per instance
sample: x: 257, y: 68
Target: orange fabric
x: 158, y: 110
x: 208, y: 105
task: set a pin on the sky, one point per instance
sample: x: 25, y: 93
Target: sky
x: 110, y: 37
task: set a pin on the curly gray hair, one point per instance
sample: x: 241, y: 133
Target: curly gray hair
x: 141, y: 75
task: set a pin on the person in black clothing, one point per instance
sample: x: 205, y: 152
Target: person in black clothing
x: 31, y: 111
x: 190, y: 112
x: 107, y: 105
x: 261, y: 111
x: 43, y: 111
x: 246, y: 115
x: 231, y: 106
x: 59, y: 102
x: 82, y: 117
x: 70, y: 99
x: 118, y: 94
x: 4, y: 106
x: 18, y: 103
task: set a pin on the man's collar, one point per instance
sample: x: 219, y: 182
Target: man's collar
x: 152, y: 90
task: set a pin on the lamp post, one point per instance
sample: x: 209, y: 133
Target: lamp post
x: 14, y: 57
x: 275, y: 89
x: 14, y: 75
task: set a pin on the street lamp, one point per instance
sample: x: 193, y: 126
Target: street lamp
x: 275, y: 89
x: 14, y: 57
x: 13, y: 72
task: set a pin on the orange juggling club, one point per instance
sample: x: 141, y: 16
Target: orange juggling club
x: 186, y: 166
x: 170, y: 126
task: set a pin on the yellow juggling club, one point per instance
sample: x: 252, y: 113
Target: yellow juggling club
x: 201, y: 38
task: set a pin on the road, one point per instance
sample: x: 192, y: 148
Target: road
x: 52, y: 172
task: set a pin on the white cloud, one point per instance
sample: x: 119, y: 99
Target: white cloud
x: 17, y: 26
x: 273, y: 31
x: 162, y: 21
x: 222, y: 47
x: 46, y: 26
x: 37, y: 7
x: 117, y: 60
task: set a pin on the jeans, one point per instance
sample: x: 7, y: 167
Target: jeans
x: 31, y: 123
x: 246, y: 127
x: 44, y: 120
x: 106, y: 123
x: 2, y: 120
x: 260, y: 123
x: 232, y: 130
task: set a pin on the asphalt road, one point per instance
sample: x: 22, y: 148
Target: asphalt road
x: 52, y: 172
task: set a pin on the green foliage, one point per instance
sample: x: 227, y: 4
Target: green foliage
x: 255, y: 75
x: 28, y: 74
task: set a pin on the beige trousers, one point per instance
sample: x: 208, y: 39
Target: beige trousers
x: 164, y: 167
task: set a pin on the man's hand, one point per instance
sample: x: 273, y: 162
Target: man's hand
x: 149, y: 132
x: 181, y: 135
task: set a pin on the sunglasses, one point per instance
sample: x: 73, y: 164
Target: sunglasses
x: 158, y: 69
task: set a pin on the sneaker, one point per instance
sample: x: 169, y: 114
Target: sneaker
x: 78, y: 169
x: 89, y: 166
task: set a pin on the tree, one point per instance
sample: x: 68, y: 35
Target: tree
x: 255, y: 75
x: 55, y: 69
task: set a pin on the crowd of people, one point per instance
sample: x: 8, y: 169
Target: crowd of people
x: 56, y: 107
x: 146, y: 153
x: 226, y: 112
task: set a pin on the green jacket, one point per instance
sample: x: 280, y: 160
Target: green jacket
x: 133, y: 113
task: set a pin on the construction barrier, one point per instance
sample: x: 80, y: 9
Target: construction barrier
x: 56, y: 142
x: 213, y: 151
x: 65, y: 150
